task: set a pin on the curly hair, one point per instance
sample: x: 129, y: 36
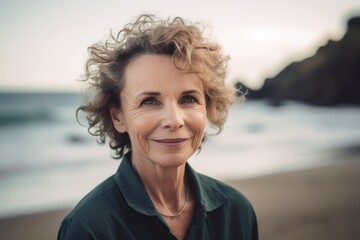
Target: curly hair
x: 191, y: 52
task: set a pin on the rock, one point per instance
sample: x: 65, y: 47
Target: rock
x: 330, y: 77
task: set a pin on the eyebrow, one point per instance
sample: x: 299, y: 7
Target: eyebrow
x: 192, y: 91
x: 150, y: 94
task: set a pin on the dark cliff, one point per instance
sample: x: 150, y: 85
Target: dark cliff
x: 330, y: 77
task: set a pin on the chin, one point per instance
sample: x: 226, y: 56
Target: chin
x: 172, y: 159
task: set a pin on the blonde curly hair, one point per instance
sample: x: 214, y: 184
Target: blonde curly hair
x: 191, y: 53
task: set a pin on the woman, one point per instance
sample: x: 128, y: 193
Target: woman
x: 155, y: 85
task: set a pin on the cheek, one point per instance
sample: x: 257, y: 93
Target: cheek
x: 200, y: 118
x: 142, y: 126
x: 198, y: 124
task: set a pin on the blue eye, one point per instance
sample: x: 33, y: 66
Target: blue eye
x: 149, y: 101
x: 189, y: 99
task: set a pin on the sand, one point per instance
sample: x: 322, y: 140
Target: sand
x: 320, y: 203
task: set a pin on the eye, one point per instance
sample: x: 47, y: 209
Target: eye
x: 149, y: 101
x: 188, y: 99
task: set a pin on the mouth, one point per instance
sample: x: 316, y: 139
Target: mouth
x: 172, y: 143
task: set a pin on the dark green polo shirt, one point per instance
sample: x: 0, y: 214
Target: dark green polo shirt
x: 120, y: 208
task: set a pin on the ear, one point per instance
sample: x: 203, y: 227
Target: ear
x: 117, y: 119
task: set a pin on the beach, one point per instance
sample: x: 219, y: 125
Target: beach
x: 295, y: 163
x: 320, y: 203
x: 317, y: 203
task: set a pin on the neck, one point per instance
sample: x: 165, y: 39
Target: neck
x: 166, y: 187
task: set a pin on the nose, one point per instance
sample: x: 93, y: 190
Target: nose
x: 173, y: 117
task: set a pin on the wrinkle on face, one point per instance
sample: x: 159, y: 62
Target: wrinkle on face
x: 155, y: 77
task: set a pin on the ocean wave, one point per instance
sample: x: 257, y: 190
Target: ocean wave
x: 25, y: 108
x: 20, y: 118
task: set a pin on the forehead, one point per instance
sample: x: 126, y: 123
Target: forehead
x: 148, y: 64
x: 156, y: 71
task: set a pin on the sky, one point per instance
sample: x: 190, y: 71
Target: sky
x: 43, y: 43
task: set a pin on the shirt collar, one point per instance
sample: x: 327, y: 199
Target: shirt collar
x: 133, y: 189
x: 207, y: 195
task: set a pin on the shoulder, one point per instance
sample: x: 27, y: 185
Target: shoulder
x: 234, y: 198
x: 87, y: 216
x: 224, y: 188
x: 97, y: 198
x: 236, y: 211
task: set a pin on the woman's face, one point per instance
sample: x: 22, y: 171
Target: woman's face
x: 162, y: 109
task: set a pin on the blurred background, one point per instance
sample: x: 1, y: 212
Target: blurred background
x: 300, y: 62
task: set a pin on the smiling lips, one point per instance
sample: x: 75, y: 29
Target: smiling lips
x: 172, y: 143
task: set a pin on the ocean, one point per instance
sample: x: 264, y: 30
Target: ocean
x: 48, y: 161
